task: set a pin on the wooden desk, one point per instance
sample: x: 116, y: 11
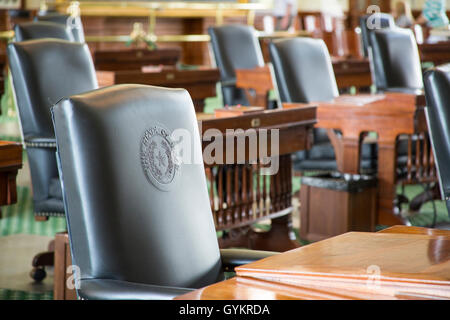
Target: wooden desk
x: 349, y: 72
x: 352, y: 72
x: 201, y: 83
x: 413, y: 263
x: 259, y: 80
x: 10, y: 163
x: 241, y: 195
x: 134, y: 59
x: 438, y: 53
x: 388, y: 115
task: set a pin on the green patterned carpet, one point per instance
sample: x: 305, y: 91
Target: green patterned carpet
x: 6, y: 294
x: 19, y: 218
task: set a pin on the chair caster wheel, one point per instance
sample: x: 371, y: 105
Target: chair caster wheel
x: 38, y: 274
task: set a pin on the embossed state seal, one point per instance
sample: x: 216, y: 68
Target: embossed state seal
x: 157, y: 158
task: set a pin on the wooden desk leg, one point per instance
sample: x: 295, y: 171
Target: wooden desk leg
x: 347, y: 149
x: 63, y: 260
x: 280, y: 238
x: 387, y: 159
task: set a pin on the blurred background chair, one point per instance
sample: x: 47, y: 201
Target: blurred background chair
x: 38, y: 30
x: 74, y: 24
x: 145, y: 229
x: 295, y: 61
x: 396, y: 61
x: 235, y: 47
x: 395, y: 58
x: 44, y: 71
x: 369, y: 23
x: 437, y: 92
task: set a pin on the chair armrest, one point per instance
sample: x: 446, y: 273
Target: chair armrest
x: 107, y: 289
x: 232, y: 258
x: 40, y: 142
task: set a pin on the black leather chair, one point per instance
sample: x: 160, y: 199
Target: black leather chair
x: 396, y: 61
x: 73, y: 24
x: 140, y: 223
x: 385, y: 20
x: 38, y: 30
x: 234, y: 47
x: 304, y: 74
x: 44, y: 71
x: 437, y: 93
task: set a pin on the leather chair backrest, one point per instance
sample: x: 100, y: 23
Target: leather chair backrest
x: 234, y: 47
x: 303, y: 70
x: 381, y: 20
x: 38, y: 30
x: 395, y: 59
x: 43, y: 72
x: 437, y: 93
x: 74, y: 24
x: 133, y: 212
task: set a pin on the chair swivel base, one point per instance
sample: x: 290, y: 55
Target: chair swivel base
x: 42, y: 260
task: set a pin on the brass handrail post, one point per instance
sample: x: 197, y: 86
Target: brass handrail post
x: 152, y: 22
x: 219, y: 16
x: 251, y: 17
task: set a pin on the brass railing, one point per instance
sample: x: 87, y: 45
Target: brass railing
x: 9, y: 35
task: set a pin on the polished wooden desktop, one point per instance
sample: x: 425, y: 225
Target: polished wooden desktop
x: 412, y: 263
x: 389, y: 115
x: 10, y: 163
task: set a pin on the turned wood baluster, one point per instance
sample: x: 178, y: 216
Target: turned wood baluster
x: 288, y: 168
x: 250, y: 213
x: 244, y: 193
x: 418, y: 158
x: 278, y: 190
x: 258, y: 190
x: 264, y: 195
x: 229, y: 200
x: 235, y: 197
x: 220, y: 212
x: 272, y: 195
x: 210, y: 175
x: 425, y: 171
x: 432, y: 164
x: 286, y: 178
x: 409, y: 160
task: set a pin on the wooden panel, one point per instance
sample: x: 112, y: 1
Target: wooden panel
x: 438, y: 53
x: 342, y: 212
x: 201, y: 83
x: 63, y: 260
x: 134, y: 59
